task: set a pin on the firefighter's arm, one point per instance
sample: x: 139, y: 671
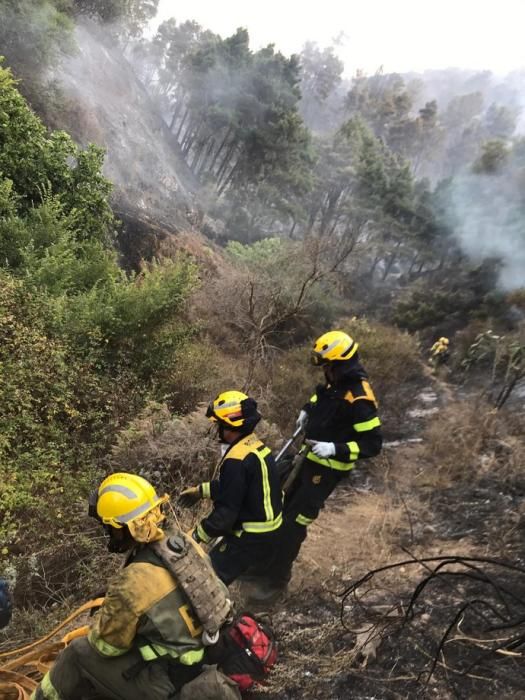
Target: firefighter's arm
x: 115, y: 625
x: 210, y: 489
x: 363, y: 418
x: 227, y: 502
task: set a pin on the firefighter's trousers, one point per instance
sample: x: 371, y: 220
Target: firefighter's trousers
x: 80, y: 672
x: 302, y: 504
x: 236, y: 555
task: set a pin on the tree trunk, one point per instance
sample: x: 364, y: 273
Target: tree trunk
x: 221, y: 147
x: 176, y: 113
x: 224, y: 164
x: 183, y: 120
x: 207, y: 155
x: 227, y: 181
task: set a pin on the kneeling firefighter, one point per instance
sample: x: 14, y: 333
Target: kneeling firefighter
x: 159, y: 614
x: 247, y: 498
x: 340, y: 425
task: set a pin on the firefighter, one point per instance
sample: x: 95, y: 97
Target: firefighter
x: 247, y: 498
x: 146, y: 640
x: 5, y: 604
x: 439, y: 352
x: 341, y: 425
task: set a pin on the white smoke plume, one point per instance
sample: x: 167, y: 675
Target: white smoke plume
x: 488, y: 217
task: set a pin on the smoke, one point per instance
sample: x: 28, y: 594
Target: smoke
x: 487, y: 213
x: 110, y: 107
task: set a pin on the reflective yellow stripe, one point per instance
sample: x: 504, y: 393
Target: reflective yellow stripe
x: 313, y: 398
x: 267, y: 498
x: 265, y: 526
x: 48, y: 689
x: 150, y: 652
x: 206, y: 489
x: 303, y: 520
x: 354, y: 450
x: 201, y: 532
x: 192, y: 657
x: 103, y: 647
x: 367, y: 425
x: 332, y: 463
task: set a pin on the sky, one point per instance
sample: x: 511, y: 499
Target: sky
x: 399, y: 35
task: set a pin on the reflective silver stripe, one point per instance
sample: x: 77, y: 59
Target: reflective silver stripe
x: 123, y: 490
x: 330, y: 347
x: 135, y: 512
x: 228, y: 404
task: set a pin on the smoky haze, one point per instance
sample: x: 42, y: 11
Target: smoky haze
x: 120, y: 106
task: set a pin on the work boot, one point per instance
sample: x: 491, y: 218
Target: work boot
x: 264, y: 593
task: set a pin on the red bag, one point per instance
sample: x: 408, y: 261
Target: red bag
x: 251, y: 651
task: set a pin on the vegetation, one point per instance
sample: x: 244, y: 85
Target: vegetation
x: 385, y: 205
x: 82, y: 342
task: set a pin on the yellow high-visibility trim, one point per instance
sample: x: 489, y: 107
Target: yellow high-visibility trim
x: 354, y: 450
x: 244, y: 447
x: 332, y: 463
x: 48, y: 689
x: 203, y: 535
x: 267, y: 497
x: 303, y: 520
x: 206, y: 489
x: 367, y: 425
x: 151, y: 652
x: 103, y: 647
x: 264, y: 526
x: 367, y: 396
x: 313, y: 398
x: 189, y: 658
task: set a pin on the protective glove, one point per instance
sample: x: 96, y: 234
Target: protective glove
x: 322, y: 449
x: 302, y: 420
x: 189, y: 497
x: 199, y: 535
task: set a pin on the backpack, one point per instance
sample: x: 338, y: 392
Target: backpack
x: 246, y: 651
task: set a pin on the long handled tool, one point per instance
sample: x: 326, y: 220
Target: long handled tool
x: 292, y: 476
x: 287, y: 444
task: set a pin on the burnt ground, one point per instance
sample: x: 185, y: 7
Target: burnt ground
x: 460, y: 634
x: 375, y: 643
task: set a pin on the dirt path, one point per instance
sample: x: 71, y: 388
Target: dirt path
x: 388, y: 507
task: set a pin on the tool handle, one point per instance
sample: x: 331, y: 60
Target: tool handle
x: 287, y: 444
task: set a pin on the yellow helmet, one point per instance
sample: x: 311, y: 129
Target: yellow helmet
x: 444, y: 340
x: 334, y: 346
x: 228, y: 408
x: 123, y: 498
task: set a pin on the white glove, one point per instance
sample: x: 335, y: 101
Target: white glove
x: 322, y: 449
x: 302, y: 420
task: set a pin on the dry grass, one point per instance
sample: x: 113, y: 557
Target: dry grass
x: 468, y: 441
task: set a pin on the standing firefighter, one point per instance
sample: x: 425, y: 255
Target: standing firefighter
x: 439, y: 352
x: 247, y: 498
x: 147, y: 640
x: 341, y: 425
